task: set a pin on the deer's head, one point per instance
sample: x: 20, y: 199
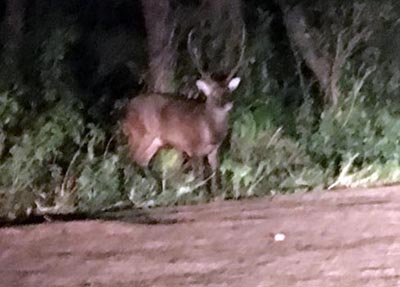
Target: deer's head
x: 218, y: 88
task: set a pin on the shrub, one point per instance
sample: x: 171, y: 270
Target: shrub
x: 263, y: 160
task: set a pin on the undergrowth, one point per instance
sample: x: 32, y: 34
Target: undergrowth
x: 54, y: 159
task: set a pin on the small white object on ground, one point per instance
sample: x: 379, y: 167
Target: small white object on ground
x: 279, y: 237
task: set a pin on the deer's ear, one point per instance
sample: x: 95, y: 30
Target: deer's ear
x: 233, y: 84
x: 204, y: 87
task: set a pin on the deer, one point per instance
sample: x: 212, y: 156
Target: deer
x: 195, y: 127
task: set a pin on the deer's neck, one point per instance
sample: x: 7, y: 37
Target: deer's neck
x: 219, y: 115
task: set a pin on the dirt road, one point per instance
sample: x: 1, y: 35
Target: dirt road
x: 331, y: 239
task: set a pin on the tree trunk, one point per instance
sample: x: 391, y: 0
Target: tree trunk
x: 161, y: 51
x: 14, y: 23
x: 217, y: 9
x: 302, y: 40
x: 15, y: 12
x: 223, y: 21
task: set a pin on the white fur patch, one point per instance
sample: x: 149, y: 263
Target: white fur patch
x: 228, y: 107
x: 233, y: 84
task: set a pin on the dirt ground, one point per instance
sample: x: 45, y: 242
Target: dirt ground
x: 345, y: 238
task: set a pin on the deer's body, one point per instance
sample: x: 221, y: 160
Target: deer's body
x: 158, y: 120
x: 195, y: 127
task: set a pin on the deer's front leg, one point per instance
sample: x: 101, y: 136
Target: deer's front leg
x: 213, y: 162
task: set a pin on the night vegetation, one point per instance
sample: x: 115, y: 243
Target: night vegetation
x: 317, y: 106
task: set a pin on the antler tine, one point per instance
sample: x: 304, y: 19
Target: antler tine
x: 239, y: 63
x: 194, y: 55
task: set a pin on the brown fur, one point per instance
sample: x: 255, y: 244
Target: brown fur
x: 197, y: 128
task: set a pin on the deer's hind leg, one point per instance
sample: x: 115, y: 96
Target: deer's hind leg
x: 146, y: 150
x: 143, y: 154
